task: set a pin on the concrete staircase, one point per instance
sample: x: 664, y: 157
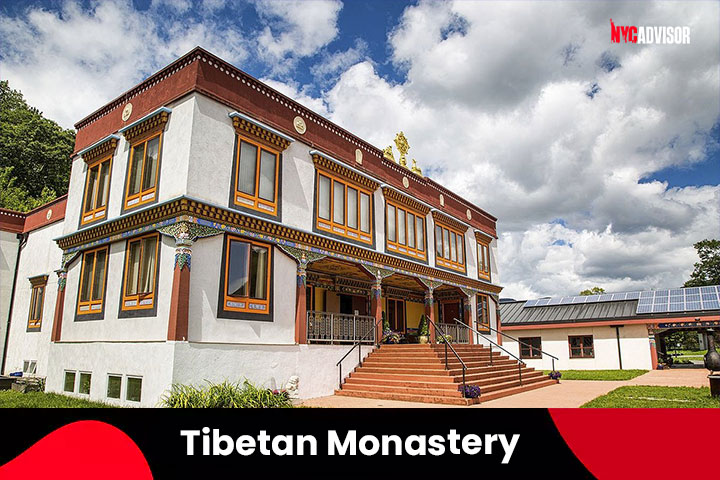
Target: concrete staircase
x: 416, y: 373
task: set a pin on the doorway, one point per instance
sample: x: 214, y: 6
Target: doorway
x: 450, y: 311
x: 396, y: 314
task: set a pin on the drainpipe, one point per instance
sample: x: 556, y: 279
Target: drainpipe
x: 617, y: 335
x: 22, y: 239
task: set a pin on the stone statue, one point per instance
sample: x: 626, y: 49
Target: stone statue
x: 292, y: 386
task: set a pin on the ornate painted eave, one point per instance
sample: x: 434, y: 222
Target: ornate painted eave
x: 101, y: 149
x: 154, y: 120
x: 332, y: 165
x: 413, y: 204
x: 483, y: 237
x: 446, y: 220
x: 245, y: 125
x: 191, y: 210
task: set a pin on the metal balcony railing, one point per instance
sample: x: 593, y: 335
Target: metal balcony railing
x: 326, y: 327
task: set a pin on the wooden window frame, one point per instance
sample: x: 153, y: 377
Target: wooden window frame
x: 248, y: 302
x: 483, y: 252
x: 528, y: 350
x: 483, y: 317
x: 140, y: 297
x: 404, y: 248
x: 255, y: 202
x: 582, y: 346
x: 440, y: 260
x: 39, y: 286
x: 97, y: 213
x: 81, y: 310
x: 342, y: 230
x: 149, y: 191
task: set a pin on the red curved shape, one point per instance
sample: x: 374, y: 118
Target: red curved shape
x: 81, y: 450
x: 641, y: 443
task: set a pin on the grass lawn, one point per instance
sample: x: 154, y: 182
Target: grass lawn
x: 655, y: 397
x: 599, y: 374
x: 10, y: 399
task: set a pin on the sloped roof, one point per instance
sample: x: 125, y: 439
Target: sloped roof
x: 515, y: 314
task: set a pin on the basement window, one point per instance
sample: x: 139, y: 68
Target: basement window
x: 133, y: 389
x: 114, y: 385
x: 84, y: 383
x: 69, y: 383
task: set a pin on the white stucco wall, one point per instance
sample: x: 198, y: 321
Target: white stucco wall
x: 153, y: 362
x: 40, y: 256
x: 8, y: 257
x: 111, y: 327
x: 267, y: 365
x: 634, y: 346
x: 204, y: 326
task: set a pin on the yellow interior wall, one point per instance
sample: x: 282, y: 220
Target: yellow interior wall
x: 413, y: 311
x: 319, y: 299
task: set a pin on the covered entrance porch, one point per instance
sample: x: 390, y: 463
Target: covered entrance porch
x: 345, y: 302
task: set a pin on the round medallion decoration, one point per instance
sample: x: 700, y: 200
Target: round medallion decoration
x: 127, y: 111
x: 299, y: 125
x: 469, y: 214
x: 406, y: 182
x: 48, y: 215
x: 442, y: 200
x: 358, y: 156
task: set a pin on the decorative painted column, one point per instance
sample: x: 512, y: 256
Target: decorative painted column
x: 376, y: 298
x: 430, y: 312
x: 59, y: 305
x: 653, y: 348
x: 185, y: 234
x: 467, y: 311
x: 303, y: 258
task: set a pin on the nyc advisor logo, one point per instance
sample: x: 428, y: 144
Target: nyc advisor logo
x: 649, y: 35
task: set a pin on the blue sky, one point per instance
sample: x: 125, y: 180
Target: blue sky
x: 600, y: 160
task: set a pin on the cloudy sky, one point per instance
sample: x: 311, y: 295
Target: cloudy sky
x: 601, y: 160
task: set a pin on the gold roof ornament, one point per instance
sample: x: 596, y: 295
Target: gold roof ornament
x: 402, y: 145
x: 388, y: 153
x: 415, y: 169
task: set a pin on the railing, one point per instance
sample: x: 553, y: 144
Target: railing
x: 552, y: 357
x: 326, y: 327
x: 358, y: 344
x: 520, y: 362
x: 447, y: 344
x: 457, y: 333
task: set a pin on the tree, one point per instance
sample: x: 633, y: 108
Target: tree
x: 34, y: 153
x: 707, y: 270
x: 593, y: 291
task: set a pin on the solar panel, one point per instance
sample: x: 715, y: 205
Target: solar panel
x: 653, y: 301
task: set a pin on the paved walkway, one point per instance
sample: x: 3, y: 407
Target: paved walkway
x: 567, y: 394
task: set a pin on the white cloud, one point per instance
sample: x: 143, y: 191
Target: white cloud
x: 296, y: 29
x: 332, y: 64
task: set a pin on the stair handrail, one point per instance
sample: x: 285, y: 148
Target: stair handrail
x: 553, y: 357
x: 447, y: 344
x: 357, y: 344
x: 519, y: 360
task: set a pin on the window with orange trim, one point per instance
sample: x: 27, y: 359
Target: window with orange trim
x: 256, y: 176
x: 97, y: 187
x: 343, y: 208
x: 92, y: 281
x: 140, y: 271
x: 483, y: 260
x: 404, y: 231
x: 483, y: 314
x: 449, y: 248
x: 143, y: 172
x: 246, y: 285
x: 37, y: 300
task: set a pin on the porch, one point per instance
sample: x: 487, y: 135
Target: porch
x: 345, y: 303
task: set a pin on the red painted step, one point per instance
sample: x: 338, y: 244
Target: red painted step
x: 418, y: 373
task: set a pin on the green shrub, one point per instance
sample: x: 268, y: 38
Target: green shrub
x: 225, y: 395
x: 423, y: 326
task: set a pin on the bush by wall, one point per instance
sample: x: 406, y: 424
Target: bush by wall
x: 225, y: 395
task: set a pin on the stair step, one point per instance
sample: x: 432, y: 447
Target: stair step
x: 514, y: 390
x: 433, y: 392
x: 406, y: 397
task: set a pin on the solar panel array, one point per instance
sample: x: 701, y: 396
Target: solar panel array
x: 656, y: 301
x: 608, y: 297
x: 679, y: 300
